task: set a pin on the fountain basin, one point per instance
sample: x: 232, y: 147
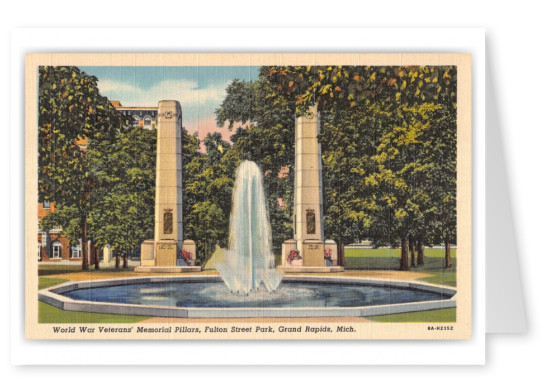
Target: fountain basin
x: 207, y: 297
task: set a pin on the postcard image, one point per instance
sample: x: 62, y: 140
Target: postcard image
x: 248, y: 196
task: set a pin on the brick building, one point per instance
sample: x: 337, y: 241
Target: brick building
x: 52, y: 245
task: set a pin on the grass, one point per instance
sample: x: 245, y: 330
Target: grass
x: 391, y: 252
x: 50, y: 314
x: 444, y: 277
x: 389, y: 259
x: 56, y: 266
x: 446, y: 315
x: 45, y: 270
x: 78, y: 268
x: 46, y: 282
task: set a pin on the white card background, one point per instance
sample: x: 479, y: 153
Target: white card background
x: 505, y: 312
x: 252, y: 352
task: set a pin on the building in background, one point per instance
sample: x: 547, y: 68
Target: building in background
x: 142, y: 117
x: 52, y: 245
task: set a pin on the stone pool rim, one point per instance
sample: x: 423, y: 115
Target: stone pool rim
x: 54, y: 296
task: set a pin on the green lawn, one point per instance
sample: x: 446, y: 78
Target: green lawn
x: 60, y: 267
x: 391, y: 252
x: 50, y: 314
x: 49, y: 269
x: 444, y: 277
x: 389, y: 259
x: 46, y: 282
x: 446, y: 315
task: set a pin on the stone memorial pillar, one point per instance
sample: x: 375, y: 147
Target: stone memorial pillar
x: 168, y: 187
x: 161, y: 254
x: 309, y: 237
x: 308, y: 217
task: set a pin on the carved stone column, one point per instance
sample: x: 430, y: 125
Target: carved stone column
x: 168, y: 186
x: 308, y: 212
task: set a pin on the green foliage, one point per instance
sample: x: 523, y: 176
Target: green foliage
x: 209, y: 227
x: 240, y: 104
x: 207, y: 192
x: 389, y: 148
x: 123, y: 212
x: 70, y: 109
x: 389, y: 153
x: 71, y: 114
x: 349, y: 86
x: 400, y: 177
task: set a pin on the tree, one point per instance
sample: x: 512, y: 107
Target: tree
x: 442, y: 181
x: 347, y: 142
x: 265, y: 136
x: 207, y: 192
x: 71, y: 114
x: 123, y: 212
x: 402, y: 201
x: 413, y: 110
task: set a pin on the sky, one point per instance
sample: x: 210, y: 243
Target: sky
x: 200, y: 90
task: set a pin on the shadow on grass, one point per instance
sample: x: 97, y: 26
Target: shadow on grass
x: 389, y: 259
x: 48, y: 270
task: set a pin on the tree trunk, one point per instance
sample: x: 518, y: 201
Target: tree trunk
x: 117, y: 260
x: 404, y: 258
x: 125, y: 260
x: 448, y: 254
x: 96, y: 257
x: 340, y: 254
x: 420, y: 253
x: 84, y: 244
x: 412, y: 250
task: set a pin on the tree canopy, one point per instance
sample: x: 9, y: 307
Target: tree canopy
x: 389, y: 152
x: 72, y: 114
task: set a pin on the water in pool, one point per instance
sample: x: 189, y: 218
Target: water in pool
x: 289, y: 294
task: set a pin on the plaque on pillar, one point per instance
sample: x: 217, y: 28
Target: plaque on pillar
x: 310, y: 221
x: 166, y: 253
x: 314, y: 253
x: 167, y: 222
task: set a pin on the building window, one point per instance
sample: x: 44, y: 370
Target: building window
x: 147, y: 122
x: 135, y: 121
x: 39, y: 252
x: 76, y: 251
x: 46, y: 205
x: 56, y: 249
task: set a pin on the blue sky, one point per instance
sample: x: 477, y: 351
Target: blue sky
x: 200, y: 90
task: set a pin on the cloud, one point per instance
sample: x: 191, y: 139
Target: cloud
x: 183, y: 90
x: 107, y: 86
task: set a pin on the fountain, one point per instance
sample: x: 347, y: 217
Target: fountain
x: 247, y: 267
x: 249, y: 261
